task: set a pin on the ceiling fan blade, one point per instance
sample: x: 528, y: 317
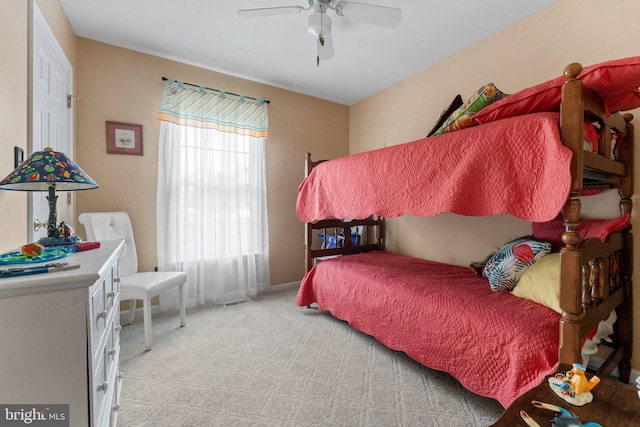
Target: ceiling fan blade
x: 388, y: 17
x: 270, y: 11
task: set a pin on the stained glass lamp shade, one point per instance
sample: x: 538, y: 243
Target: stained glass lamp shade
x: 48, y: 170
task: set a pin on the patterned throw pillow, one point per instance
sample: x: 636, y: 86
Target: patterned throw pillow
x: 506, y: 266
x: 461, y: 118
x: 455, y: 104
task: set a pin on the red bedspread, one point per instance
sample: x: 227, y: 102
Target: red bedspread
x: 516, y: 166
x: 444, y: 317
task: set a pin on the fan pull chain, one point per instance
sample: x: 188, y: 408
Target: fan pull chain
x: 320, y: 36
x: 321, y: 40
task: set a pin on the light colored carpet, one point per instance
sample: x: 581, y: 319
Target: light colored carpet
x: 271, y: 363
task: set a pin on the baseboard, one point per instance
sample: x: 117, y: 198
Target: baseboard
x: 124, y: 314
x: 281, y: 287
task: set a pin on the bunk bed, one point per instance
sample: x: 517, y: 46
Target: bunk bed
x: 447, y: 317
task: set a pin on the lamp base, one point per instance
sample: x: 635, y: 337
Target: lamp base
x: 59, y: 241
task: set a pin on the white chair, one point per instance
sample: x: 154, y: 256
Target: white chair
x: 134, y: 285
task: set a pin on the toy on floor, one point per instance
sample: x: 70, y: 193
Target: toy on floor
x: 573, y: 386
x: 563, y: 419
x: 579, y: 379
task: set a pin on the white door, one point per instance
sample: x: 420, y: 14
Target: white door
x: 51, y: 116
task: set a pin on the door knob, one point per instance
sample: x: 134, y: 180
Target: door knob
x: 37, y: 225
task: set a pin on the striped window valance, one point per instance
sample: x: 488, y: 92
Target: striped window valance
x: 206, y: 109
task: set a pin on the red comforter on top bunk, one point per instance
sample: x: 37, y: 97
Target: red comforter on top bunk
x: 443, y: 316
x: 516, y: 166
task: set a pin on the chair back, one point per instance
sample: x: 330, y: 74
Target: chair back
x: 113, y: 226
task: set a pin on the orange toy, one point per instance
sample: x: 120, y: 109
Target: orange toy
x: 579, y: 380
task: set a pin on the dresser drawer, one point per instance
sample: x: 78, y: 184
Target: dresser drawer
x: 112, y: 347
x: 100, y: 390
x: 105, y: 373
x: 111, y: 288
x: 103, y: 307
x: 98, y: 314
x: 115, y: 403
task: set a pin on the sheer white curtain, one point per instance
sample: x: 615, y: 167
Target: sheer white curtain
x: 211, y: 202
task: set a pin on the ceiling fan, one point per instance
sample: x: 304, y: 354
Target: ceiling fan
x: 319, y: 23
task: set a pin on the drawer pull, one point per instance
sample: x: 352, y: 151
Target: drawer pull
x: 120, y: 375
x: 116, y: 280
x: 118, y: 328
x: 103, y: 387
x: 111, y: 294
x: 116, y: 407
x: 102, y: 314
x: 112, y: 351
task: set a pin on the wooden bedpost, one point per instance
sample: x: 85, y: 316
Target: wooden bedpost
x: 308, y: 235
x: 625, y: 311
x: 625, y: 155
x: 307, y: 247
x: 584, y: 270
x: 308, y: 165
x: 571, y: 129
x: 380, y: 236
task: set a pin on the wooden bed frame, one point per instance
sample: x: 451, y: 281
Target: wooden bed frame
x: 591, y: 286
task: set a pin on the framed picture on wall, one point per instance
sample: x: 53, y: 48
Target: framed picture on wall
x: 124, y: 138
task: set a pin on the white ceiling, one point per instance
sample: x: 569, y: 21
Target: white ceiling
x: 278, y: 51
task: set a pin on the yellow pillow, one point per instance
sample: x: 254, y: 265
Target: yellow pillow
x: 541, y: 282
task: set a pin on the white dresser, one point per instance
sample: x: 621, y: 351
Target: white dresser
x: 60, y: 338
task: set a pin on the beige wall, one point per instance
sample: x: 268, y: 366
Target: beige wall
x: 121, y: 85
x: 13, y: 117
x: 532, y: 51
x: 14, y: 30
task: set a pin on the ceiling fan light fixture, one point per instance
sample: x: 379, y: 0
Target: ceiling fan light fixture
x: 319, y: 26
x: 319, y: 23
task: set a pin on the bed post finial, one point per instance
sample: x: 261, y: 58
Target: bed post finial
x: 572, y: 71
x: 308, y: 165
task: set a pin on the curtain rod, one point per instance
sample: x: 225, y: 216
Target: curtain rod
x: 220, y: 91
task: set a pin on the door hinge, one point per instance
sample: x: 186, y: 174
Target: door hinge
x: 69, y: 98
